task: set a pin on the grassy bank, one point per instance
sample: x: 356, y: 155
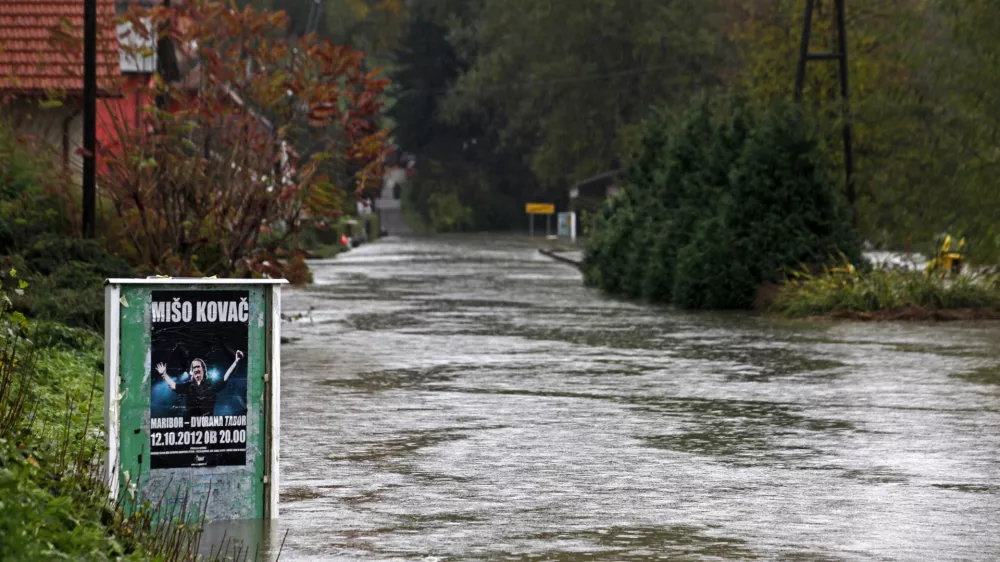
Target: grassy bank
x: 48, y: 509
x: 889, y: 295
x: 54, y: 504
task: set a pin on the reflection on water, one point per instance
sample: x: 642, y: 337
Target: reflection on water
x: 467, y: 398
x: 241, y: 541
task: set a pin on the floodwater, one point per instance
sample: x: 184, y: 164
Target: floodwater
x: 466, y: 398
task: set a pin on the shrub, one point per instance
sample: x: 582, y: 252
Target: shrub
x: 837, y: 292
x: 33, y: 193
x: 36, y: 233
x: 67, y: 275
x: 54, y: 501
x: 73, y: 294
x: 447, y: 213
x: 717, y: 203
x: 609, y: 237
x: 713, y: 271
x: 50, y: 254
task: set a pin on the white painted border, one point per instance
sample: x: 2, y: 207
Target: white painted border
x: 194, y: 281
x: 274, y: 402
x: 112, y: 383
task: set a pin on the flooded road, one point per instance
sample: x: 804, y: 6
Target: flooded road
x: 469, y: 399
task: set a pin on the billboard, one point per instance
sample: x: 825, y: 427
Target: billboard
x: 192, y: 393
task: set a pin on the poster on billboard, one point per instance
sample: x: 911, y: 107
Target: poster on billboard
x: 198, y: 390
x: 566, y: 225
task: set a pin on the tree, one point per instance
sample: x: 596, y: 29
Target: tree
x: 567, y: 80
x: 907, y: 137
x: 372, y: 26
x: 212, y: 171
x: 716, y: 204
x: 466, y: 179
x: 966, y: 77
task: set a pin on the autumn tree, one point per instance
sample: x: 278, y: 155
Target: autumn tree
x: 236, y: 152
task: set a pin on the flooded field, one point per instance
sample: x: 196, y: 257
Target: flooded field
x: 465, y: 398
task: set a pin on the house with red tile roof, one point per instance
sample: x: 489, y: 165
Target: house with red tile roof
x: 41, y: 68
x: 41, y: 59
x: 137, y: 65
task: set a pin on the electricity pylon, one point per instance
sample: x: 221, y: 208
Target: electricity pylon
x: 805, y: 56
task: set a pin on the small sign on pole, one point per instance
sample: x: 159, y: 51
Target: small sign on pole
x: 539, y: 208
x: 191, y: 390
x: 567, y: 225
x: 532, y: 209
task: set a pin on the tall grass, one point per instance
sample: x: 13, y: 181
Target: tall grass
x: 844, y: 292
x: 53, y: 492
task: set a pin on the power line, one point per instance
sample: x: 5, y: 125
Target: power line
x: 545, y: 82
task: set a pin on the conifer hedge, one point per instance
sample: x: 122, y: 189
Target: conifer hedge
x: 717, y: 203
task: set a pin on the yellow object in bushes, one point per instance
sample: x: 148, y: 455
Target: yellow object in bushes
x: 947, y: 260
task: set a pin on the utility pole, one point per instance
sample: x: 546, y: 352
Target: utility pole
x: 845, y: 90
x: 89, y: 116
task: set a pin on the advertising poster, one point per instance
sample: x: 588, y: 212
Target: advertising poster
x: 198, y: 402
x: 565, y: 224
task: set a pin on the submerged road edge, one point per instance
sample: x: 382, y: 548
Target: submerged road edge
x: 558, y: 257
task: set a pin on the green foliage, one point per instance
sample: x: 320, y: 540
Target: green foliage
x: 66, y: 273
x: 54, y: 504
x: 447, y: 213
x: 925, y: 118
x: 374, y: 227
x: 565, y: 82
x: 437, y: 204
x: 41, y: 519
x: 714, y: 271
x: 29, y: 192
x: 68, y: 277
x: 880, y: 290
x: 50, y: 254
x: 321, y: 239
x: 466, y: 176
x: 47, y: 511
x: 716, y: 203
x: 610, y: 232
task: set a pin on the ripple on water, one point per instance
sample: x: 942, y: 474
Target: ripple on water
x: 462, y: 399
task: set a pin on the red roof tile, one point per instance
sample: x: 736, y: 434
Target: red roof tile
x: 32, y: 59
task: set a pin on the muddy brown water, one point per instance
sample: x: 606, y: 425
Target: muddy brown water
x: 466, y: 398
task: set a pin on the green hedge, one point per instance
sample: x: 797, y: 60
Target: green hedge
x: 717, y: 203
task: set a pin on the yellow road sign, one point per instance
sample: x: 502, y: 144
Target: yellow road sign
x: 539, y: 208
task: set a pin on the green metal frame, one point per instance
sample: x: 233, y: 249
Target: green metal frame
x: 236, y: 492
